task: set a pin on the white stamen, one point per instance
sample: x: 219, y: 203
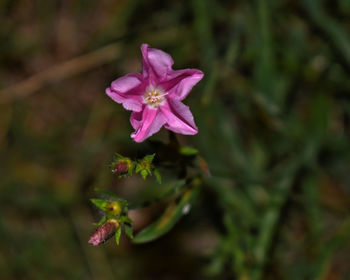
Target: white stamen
x: 154, y: 97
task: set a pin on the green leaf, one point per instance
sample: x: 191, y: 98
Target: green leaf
x: 128, y: 231
x: 100, y: 203
x: 158, y: 176
x: 171, y: 216
x: 188, y: 151
x: 117, y: 234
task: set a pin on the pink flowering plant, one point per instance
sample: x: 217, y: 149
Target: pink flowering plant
x: 155, y: 95
x: 155, y: 98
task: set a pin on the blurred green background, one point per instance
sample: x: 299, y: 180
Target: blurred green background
x: 273, y: 112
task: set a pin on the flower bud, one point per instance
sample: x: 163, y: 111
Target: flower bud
x: 104, y: 232
x: 114, y: 208
x: 121, y: 168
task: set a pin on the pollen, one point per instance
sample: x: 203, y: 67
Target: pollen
x: 154, y: 97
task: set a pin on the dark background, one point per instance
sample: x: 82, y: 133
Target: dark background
x: 273, y: 112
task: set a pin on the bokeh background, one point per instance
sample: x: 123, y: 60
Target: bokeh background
x: 273, y: 113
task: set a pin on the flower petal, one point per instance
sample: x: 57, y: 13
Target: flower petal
x: 128, y: 90
x: 180, y: 82
x: 127, y: 83
x: 178, y: 117
x: 155, y: 64
x: 146, y: 123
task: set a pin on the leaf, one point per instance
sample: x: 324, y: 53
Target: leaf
x: 188, y: 151
x: 100, y: 203
x: 117, y: 234
x: 128, y: 231
x: 158, y: 176
x: 171, y: 216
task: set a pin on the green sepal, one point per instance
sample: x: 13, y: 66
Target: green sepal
x: 170, y: 217
x: 144, y: 166
x: 118, y: 156
x: 125, y: 219
x: 100, y: 203
x: 102, y: 221
x: 138, y: 167
x: 149, y: 158
x: 128, y: 231
x: 131, y: 168
x: 144, y: 173
x: 117, y: 235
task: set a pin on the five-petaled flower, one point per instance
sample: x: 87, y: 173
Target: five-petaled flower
x: 155, y: 95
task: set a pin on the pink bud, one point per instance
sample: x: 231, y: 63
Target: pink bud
x: 121, y: 168
x: 104, y: 232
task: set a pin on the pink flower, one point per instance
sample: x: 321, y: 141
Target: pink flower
x: 155, y: 95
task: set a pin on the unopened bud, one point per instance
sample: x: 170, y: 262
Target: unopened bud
x: 104, y: 232
x: 121, y: 168
x: 114, y: 208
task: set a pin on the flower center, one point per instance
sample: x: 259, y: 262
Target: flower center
x: 154, y: 97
